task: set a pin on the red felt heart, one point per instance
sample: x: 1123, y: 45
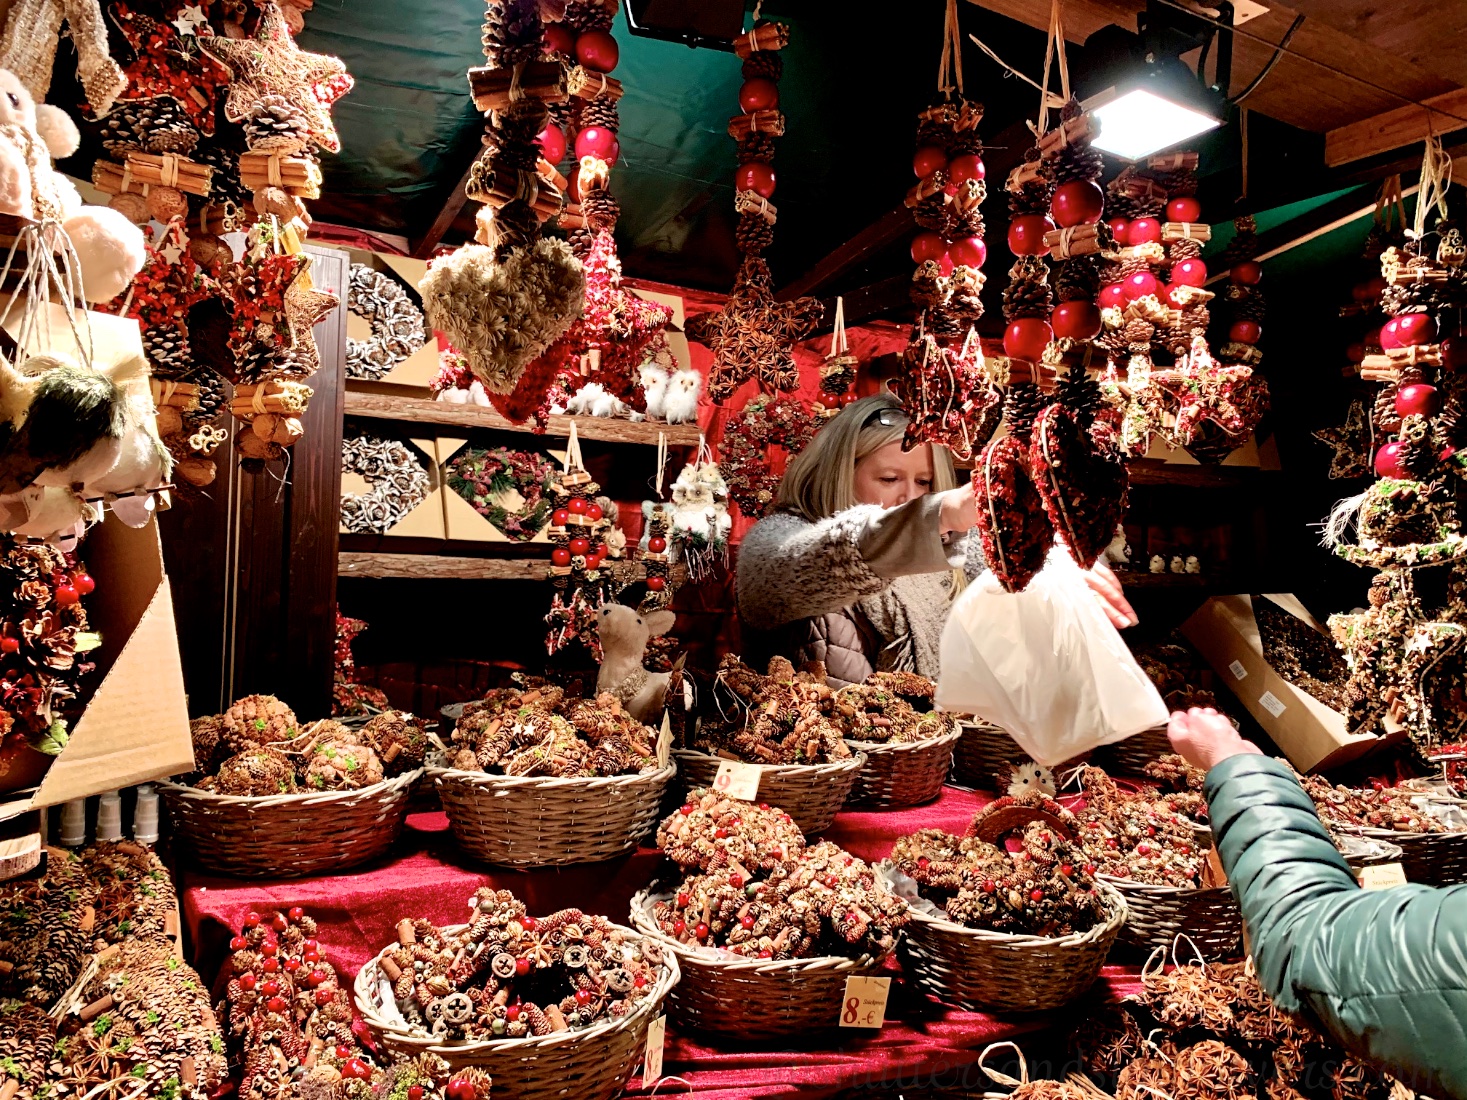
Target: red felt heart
x: 1082, y: 481
x: 1012, y: 525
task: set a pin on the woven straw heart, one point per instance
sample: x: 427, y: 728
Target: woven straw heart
x: 1083, y: 483
x: 1012, y: 525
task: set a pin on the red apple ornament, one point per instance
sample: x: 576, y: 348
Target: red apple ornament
x: 1245, y: 332
x: 1246, y: 273
x: 755, y: 176
x: 1189, y: 272
x: 596, y: 141
x: 968, y: 251
x: 1078, y: 202
x: 1139, y: 284
x: 1113, y: 296
x: 1183, y: 210
x: 559, y: 39
x: 927, y: 160
x: 1143, y: 231
x: 552, y: 143
x: 969, y: 166
x: 758, y: 94
x: 928, y: 246
x: 597, y: 51
x: 1388, y: 460
x: 1418, y: 400
x: 1026, y: 234
x: 1076, y: 320
x: 1026, y: 338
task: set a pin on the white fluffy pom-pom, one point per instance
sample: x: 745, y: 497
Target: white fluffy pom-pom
x: 57, y: 130
x: 110, y: 249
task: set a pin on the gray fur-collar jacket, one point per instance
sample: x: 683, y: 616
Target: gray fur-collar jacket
x: 865, y: 590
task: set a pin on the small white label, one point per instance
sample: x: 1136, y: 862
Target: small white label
x: 1237, y: 669
x: 664, y: 742
x: 738, y: 780
x: 1271, y: 703
x: 864, y: 1004
x: 652, y: 1063
x: 1380, y: 876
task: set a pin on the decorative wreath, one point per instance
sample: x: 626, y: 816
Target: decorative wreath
x: 748, y: 437
x: 482, y: 477
x: 397, y: 323
x: 398, y: 481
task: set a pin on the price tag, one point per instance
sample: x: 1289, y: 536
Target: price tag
x: 864, y: 1004
x: 738, y: 780
x: 664, y: 742
x: 1380, y: 876
x: 1271, y: 703
x: 652, y: 1062
x: 1237, y: 669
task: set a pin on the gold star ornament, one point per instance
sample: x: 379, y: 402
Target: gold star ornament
x: 270, y: 63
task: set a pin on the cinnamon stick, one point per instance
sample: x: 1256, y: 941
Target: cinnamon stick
x: 1027, y: 172
x: 390, y: 968
x: 1185, y: 160
x: 751, y: 202
x: 570, y: 217
x: 297, y: 175
x: 405, y: 934
x: 179, y: 395
x: 768, y: 121
x: 1075, y: 131
x: 764, y: 37
x: 585, y: 84
x: 1185, y: 231
x: 498, y: 186
x: 1077, y: 240
x: 104, y: 1003
x: 496, y: 89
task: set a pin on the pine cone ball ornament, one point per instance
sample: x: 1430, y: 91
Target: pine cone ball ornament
x: 397, y: 739
x: 275, y: 125
x: 254, y: 773
x: 338, y: 765
x: 256, y: 720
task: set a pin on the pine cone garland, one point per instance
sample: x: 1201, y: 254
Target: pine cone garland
x: 758, y: 147
x: 753, y: 234
x: 601, y: 112
x: 766, y: 64
x: 276, y: 125
x: 1247, y: 304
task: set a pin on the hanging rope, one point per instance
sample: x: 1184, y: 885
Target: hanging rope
x: 838, y: 344
x: 1054, y: 54
x: 1243, y: 155
x: 950, y: 67
x: 1436, y: 177
x: 1390, y: 207
x: 661, y: 462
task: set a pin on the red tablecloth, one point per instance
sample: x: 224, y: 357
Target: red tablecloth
x: 426, y: 875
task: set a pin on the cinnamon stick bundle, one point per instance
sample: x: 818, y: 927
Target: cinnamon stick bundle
x: 1186, y: 160
x: 571, y: 218
x: 751, y: 202
x: 769, y: 121
x: 496, y: 89
x: 1247, y: 354
x: 1418, y: 355
x: 498, y: 186
x: 551, y: 174
x: 178, y: 395
x: 1077, y: 240
x: 274, y: 396
x: 299, y: 176
x: 925, y: 188
x: 1027, y: 172
x: 1074, y: 131
x: 144, y: 170
x: 585, y: 84
x: 764, y: 37
x: 1185, y: 231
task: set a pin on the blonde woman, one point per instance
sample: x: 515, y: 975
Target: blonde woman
x: 867, y: 548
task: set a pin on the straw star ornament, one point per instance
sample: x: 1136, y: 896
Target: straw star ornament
x: 270, y: 63
x: 305, y: 308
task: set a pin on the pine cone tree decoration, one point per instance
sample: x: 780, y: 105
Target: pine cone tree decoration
x: 1243, y: 246
x: 758, y: 147
x: 1028, y: 293
x: 276, y: 125
x: 766, y: 64
x: 932, y: 132
x: 601, y: 112
x: 753, y: 234
x: 166, y: 347
x: 1021, y: 405
x: 512, y: 32
x: 965, y: 143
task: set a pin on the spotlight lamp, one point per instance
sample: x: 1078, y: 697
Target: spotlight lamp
x: 1137, y: 121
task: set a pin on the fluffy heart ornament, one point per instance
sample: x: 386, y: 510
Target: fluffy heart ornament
x: 1081, y: 480
x: 1013, y: 526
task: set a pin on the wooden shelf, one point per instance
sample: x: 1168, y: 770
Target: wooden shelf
x: 417, y: 410
x: 381, y: 566
x: 1149, y: 471
x: 1131, y: 579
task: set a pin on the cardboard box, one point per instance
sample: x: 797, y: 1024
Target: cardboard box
x: 1314, y: 737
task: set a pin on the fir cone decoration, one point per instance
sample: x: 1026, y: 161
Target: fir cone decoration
x: 512, y: 32
x: 1137, y: 334
x: 224, y: 185
x: 766, y: 63
x: 581, y: 239
x: 1080, y: 393
x: 276, y: 125
x: 753, y: 234
x: 1077, y: 279
x: 1032, y: 197
x: 166, y: 347
x: 587, y: 15
x: 600, y: 112
x: 600, y: 210
x: 758, y: 147
x: 134, y: 123
x: 1243, y: 246
x: 934, y: 214
x: 1021, y: 405
x: 213, y: 399
x: 1188, y: 249
x: 259, y: 361
x: 1418, y: 455
x: 1247, y: 304
x: 1078, y: 162
x: 1028, y: 293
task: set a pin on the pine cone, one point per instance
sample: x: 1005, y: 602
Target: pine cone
x: 1178, y: 184
x: 601, y: 112
x: 1188, y: 249
x: 934, y: 214
x: 512, y: 32
x: 1383, y: 413
x: 600, y: 210
x: 968, y: 225
x: 262, y: 359
x: 1450, y: 423
x: 1021, y: 405
x: 1077, y: 279
x: 753, y: 234
x: 946, y: 325
x: 1246, y: 302
x: 276, y: 124
x: 1080, y: 393
x: 587, y: 15
x: 132, y: 126
x: 166, y: 347
x: 767, y: 64
x: 930, y: 132
x: 928, y: 286
x: 1138, y: 333
x: 212, y: 398
x: 1417, y: 454
x: 965, y: 142
x: 1243, y: 246
x: 1078, y: 162
x: 1028, y: 293
x: 756, y: 147
x: 581, y: 238
x: 1032, y: 197
x: 224, y: 184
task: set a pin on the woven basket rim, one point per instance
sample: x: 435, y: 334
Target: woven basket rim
x: 362, y: 989
x: 1117, y: 912
x: 1124, y: 884
x: 834, y: 767
x: 871, y: 748
x: 551, y: 783
x: 1375, y: 833
x: 643, y: 900
x: 305, y: 798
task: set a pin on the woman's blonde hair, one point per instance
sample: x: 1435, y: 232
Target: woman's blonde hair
x: 821, y: 480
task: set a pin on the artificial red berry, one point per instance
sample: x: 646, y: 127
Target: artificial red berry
x: 553, y: 144
x: 316, y: 977
x: 356, y: 1068
x: 270, y: 966
x: 251, y: 919
x: 684, y: 900
x: 736, y: 881
x: 292, y: 965
x: 1110, y: 842
x: 512, y: 1013
x: 583, y: 996
x: 415, y: 1092
x: 831, y: 881
x: 701, y: 931
x: 279, y: 923
x: 1189, y: 272
x: 678, y: 928
x: 247, y: 982
x: 270, y: 987
x: 67, y: 596
x: 640, y: 980
x: 521, y: 967
x: 593, y: 511
x: 83, y: 583
x: 343, y: 1051
x: 1036, y: 895
x: 923, y: 861
x: 1185, y: 849
x: 1066, y: 869
x: 720, y: 833
x: 580, y: 546
x: 239, y: 943
x: 275, y: 1004
x: 989, y: 886
x: 747, y: 920
x: 765, y: 953
x: 296, y: 912
x: 310, y: 955
x: 12, y: 645
x: 686, y: 808
x: 1026, y: 338
x: 529, y: 924
x: 1090, y: 868
x: 1143, y: 849
x: 269, y: 949
x: 324, y: 995
x: 1118, y: 228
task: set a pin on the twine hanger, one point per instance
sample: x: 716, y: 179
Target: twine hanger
x: 661, y: 462
x: 1390, y: 207
x: 950, y: 66
x: 1054, y: 55
x: 573, y: 451
x: 1436, y: 177
x: 838, y: 345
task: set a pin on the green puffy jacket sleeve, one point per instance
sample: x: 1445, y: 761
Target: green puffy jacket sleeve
x: 1383, y: 971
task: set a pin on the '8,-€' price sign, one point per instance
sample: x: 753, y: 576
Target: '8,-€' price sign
x: 864, y: 1003
x: 738, y: 780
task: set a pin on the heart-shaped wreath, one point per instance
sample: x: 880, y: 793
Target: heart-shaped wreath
x: 484, y: 477
x: 1081, y: 480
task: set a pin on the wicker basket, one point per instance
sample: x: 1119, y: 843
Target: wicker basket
x: 593, y: 1064
x: 288, y: 835
x: 1361, y: 852
x: 519, y: 821
x: 1209, y: 916
x: 812, y: 794
x: 902, y: 774
x: 1436, y: 859
x: 984, y: 971
x: 751, y: 1000
x: 981, y: 750
x: 1130, y: 757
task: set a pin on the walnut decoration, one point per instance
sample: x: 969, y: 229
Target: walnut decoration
x: 543, y: 731
x: 785, y: 717
x: 507, y: 974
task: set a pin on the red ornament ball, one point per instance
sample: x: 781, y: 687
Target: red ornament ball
x: 1119, y: 228
x: 593, y: 511
x: 1245, y: 332
x: 577, y: 505
x: 755, y: 176
x: 1355, y: 352
x: 1026, y: 234
x: 1078, y: 202
x: 460, y: 1089
x: 1076, y: 320
x: 292, y: 965
x: 559, y: 39
x: 1189, y: 272
x: 251, y: 919
x: 656, y: 544
x: 1388, y: 460
x: 247, y: 982
x: 758, y: 94
x: 1246, y: 273
x: 296, y: 912
x: 83, y: 583
x: 928, y: 246
x: 279, y: 923
x: 560, y: 517
x: 239, y: 943
x: 1454, y: 352
x: 552, y: 143
x: 1139, y: 284
x: 945, y: 265
x: 343, y: 1051
x: 1143, y: 231
x: 968, y: 251
x: 580, y: 546
x: 270, y: 966
x: 596, y: 141
x: 276, y: 1004
x: 1406, y: 330
x: 1026, y: 338
x: 270, y: 987
x: 969, y: 166
x: 701, y: 931
x: 415, y: 1092
x: 927, y: 160
x: 597, y: 51
x: 1112, y: 296
x: 1418, y: 399
x: 12, y: 645
x: 1183, y: 210
x: 315, y: 978
x: 67, y: 595
x: 269, y: 949
x: 656, y: 584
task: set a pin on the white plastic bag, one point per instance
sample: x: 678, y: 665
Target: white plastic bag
x: 1045, y: 664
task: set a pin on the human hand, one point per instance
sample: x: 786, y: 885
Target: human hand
x: 1205, y: 738
x: 959, y: 510
x: 1105, y: 585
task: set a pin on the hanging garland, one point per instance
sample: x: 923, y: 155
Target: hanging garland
x: 397, y: 482
x: 750, y: 437
x: 397, y: 323
x: 579, y: 572
x: 483, y: 477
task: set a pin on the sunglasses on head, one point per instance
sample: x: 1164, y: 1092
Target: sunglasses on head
x: 887, y: 418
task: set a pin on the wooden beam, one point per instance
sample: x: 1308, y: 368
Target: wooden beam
x: 885, y: 230
x: 872, y: 300
x: 1441, y: 114
x: 380, y: 566
x: 457, y: 199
